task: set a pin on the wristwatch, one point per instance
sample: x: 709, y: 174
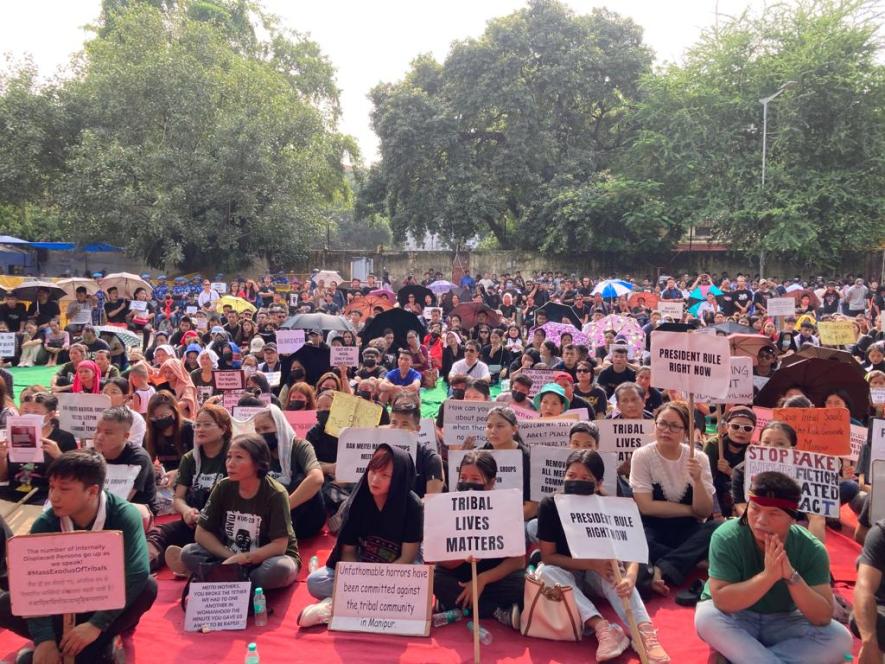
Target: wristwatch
x: 794, y: 578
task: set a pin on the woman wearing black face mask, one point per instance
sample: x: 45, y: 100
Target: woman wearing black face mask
x: 499, y: 581
x: 301, y: 396
x: 168, y: 435
x: 297, y: 374
x: 326, y: 448
x: 584, y: 471
x: 294, y: 465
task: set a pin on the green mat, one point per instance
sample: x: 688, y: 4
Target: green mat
x: 25, y: 376
x: 432, y: 399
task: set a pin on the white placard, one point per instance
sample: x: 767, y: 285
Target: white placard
x: 482, y: 524
x: 382, y: 598
x: 7, y: 344
x: 816, y: 474
x: 877, y: 440
x: 23, y: 438
x: 190, y: 311
x: 82, y: 317
x: 289, y: 341
x: 523, y: 413
x: 356, y: 447
x: 138, y: 305
x: 509, y: 462
x: 781, y: 306
x: 219, y: 287
x: 463, y: 419
x: 428, y: 312
x: 427, y: 433
x: 245, y: 412
x: 622, y: 437
x: 691, y: 363
x: 218, y: 606
x: 273, y: 378
x: 602, y: 528
x: 349, y: 356
x: 877, y: 496
x: 201, y: 323
x: 79, y: 413
x: 740, y: 387
x: 877, y: 395
x: 857, y: 439
x: 228, y: 379
x: 548, y: 432
x: 548, y: 471
x: 120, y: 479
x: 671, y: 308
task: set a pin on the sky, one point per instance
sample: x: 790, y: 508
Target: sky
x: 367, y: 42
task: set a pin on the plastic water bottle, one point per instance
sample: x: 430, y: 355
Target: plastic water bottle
x: 485, y: 636
x: 314, y: 564
x: 530, y: 571
x: 447, y: 617
x: 252, y: 654
x: 260, y: 604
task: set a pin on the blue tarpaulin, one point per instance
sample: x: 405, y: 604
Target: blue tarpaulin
x: 54, y: 246
x: 100, y: 247
x: 94, y: 248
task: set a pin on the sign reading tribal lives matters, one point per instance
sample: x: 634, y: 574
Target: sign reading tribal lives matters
x: 465, y: 419
x: 691, y: 363
x: 602, y: 528
x: 816, y: 474
x: 510, y: 471
x: 482, y: 524
x: 548, y: 471
x: 382, y: 598
x: 356, y: 447
x: 624, y: 436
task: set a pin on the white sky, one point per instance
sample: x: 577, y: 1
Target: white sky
x: 368, y: 42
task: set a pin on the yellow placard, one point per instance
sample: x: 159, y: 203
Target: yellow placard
x: 350, y: 411
x: 837, y: 333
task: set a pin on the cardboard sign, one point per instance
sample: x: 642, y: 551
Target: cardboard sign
x: 691, y: 363
x: 350, y: 411
x: 228, y: 379
x: 548, y: 471
x: 877, y: 497
x: 138, y: 305
x: 219, y: 287
x: 382, y: 599
x: 120, y: 479
x: 23, y: 438
x: 671, y: 308
x: 289, y: 341
x: 301, y: 420
x: 877, y: 440
x: 622, y: 437
x: 836, y: 333
x: 509, y: 462
x: 820, y: 430
x: 877, y: 395
x: 763, y: 417
x: 79, y: 413
x: 740, y: 387
x: 357, y: 445
x: 781, y: 306
x: 602, y: 528
x: 246, y: 412
x: 817, y: 474
x: 857, y: 439
x: 548, y: 432
x: 7, y: 344
x: 75, y: 572
x: 220, y: 606
x: 348, y: 356
x: 465, y: 419
x: 482, y: 524
x: 540, y: 377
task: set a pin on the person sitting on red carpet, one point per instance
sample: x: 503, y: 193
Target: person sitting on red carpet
x: 868, y: 620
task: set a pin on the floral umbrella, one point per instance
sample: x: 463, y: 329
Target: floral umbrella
x: 556, y: 330
x: 625, y: 327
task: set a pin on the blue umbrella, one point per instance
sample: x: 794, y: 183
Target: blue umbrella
x: 698, y: 295
x: 612, y: 288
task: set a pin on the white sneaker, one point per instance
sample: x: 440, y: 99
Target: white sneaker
x: 316, y: 614
x: 173, y: 562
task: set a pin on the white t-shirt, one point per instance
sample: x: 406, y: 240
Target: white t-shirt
x: 139, y: 428
x: 649, y: 467
x: 204, y: 297
x: 479, y: 370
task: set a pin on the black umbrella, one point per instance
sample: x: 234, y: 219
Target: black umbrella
x: 734, y: 328
x: 420, y: 292
x: 27, y: 290
x: 315, y: 361
x: 316, y: 322
x: 556, y: 312
x: 398, y: 320
x: 816, y: 377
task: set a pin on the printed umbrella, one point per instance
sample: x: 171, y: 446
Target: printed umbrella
x: 468, y: 311
x: 239, y: 304
x: 625, y: 327
x: 749, y: 345
x: 28, y: 290
x: 698, y: 295
x: 798, y: 294
x: 327, y: 277
x: 385, y: 293
x: 71, y: 285
x: 651, y: 299
x: 125, y: 283
x: 442, y: 286
x: 420, y: 292
x: 556, y: 312
x: 316, y: 322
x: 366, y: 303
x: 128, y: 337
x: 556, y: 330
x: 612, y: 288
x: 816, y: 377
x: 398, y: 320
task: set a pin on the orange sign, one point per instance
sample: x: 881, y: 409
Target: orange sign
x: 819, y: 430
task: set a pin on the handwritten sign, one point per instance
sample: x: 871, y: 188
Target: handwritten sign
x: 220, y: 606
x: 79, y: 413
x: 382, y: 599
x: 763, y: 417
x: 289, y: 341
x: 539, y: 377
x: 357, y: 445
x: 7, y: 344
x: 548, y: 471
x: 692, y: 363
x: 23, y: 434
x: 740, y: 387
x: 482, y: 524
x: 301, y: 420
x: 671, y: 308
x: 138, y: 305
x: 465, y: 419
x: 857, y: 439
x: 623, y: 437
x: 348, y: 356
x: 510, y: 472
x: 75, y: 572
x: 230, y: 399
x: 524, y: 413
x: 247, y: 412
x: 219, y: 287
x: 820, y: 430
x: 877, y: 395
x: 228, y: 379
x: 781, y: 306
x: 602, y: 528
x: 837, y: 333
x: 350, y: 411
x: 816, y: 474
x: 549, y: 432
x: 120, y: 479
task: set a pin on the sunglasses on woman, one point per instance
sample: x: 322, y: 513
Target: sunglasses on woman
x: 746, y: 428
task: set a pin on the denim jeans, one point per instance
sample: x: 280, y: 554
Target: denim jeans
x: 747, y: 637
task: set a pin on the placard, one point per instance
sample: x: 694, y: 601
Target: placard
x: 877, y: 494
x: 24, y: 435
x: 522, y: 413
x: 546, y: 431
x: 357, y: 445
x: 671, y: 308
x: 691, y: 363
x: 623, y: 437
x: 877, y: 395
x: 246, y: 412
x: 482, y: 524
x: 510, y: 472
x: 464, y: 419
x: 217, y: 606
x: 348, y: 356
x: 230, y: 399
x: 289, y: 341
x: 228, y: 379
x: 76, y: 572
x: 7, y: 344
x: 201, y: 323
x: 190, y: 311
x: 602, y: 528
x: 427, y: 433
x: 302, y: 421
x: 382, y: 598
x: 427, y: 313
x: 836, y: 333
x: 548, y: 471
x: 740, y: 387
x: 781, y: 306
x: 820, y: 430
x: 350, y: 411
x: 273, y: 377
x: 857, y: 439
x: 138, y: 305
x: 763, y: 417
x: 219, y: 287
x: 877, y: 440
x: 539, y: 377
x: 816, y: 474
x: 79, y: 413
x: 120, y: 479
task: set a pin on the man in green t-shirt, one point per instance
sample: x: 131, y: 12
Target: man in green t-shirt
x: 768, y: 598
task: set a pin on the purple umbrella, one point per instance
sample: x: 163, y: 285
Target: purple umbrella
x: 442, y: 286
x: 385, y: 292
x: 556, y: 330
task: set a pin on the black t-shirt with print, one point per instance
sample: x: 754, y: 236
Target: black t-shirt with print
x: 372, y: 536
x: 742, y: 297
x: 145, y: 484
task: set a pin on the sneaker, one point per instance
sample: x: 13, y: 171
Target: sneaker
x: 535, y: 557
x: 612, y: 641
x: 316, y: 614
x: 173, y: 562
x: 25, y: 655
x: 333, y: 523
x: 653, y: 649
x: 509, y: 616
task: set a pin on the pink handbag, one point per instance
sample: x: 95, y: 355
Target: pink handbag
x: 550, y: 612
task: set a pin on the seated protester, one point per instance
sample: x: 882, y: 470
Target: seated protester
x: 500, y: 582
x: 629, y: 403
x: 246, y: 520
x: 198, y: 472
x: 117, y: 389
x: 87, y: 378
x: 93, y: 343
x: 588, y: 390
x: 551, y: 401
x: 168, y: 435
x: 836, y: 397
x: 24, y: 477
x: 326, y: 448
x: 612, y: 376
x: 202, y: 379
x: 139, y: 377
x: 63, y: 379
x: 293, y: 463
x: 583, y: 476
x: 674, y: 492
x: 191, y: 353
x: 768, y: 598
x: 106, y: 367
x: 653, y: 397
x: 383, y: 523
x: 471, y: 366
x: 333, y: 382
x: 740, y: 422
x: 258, y: 385
x: 496, y: 356
x: 502, y: 433
x: 295, y: 374
x: 868, y: 619
x: 301, y: 396
x: 371, y: 366
x: 567, y: 383
x: 179, y: 381
x: 518, y: 397
x: 227, y: 351
x: 402, y: 379
x: 405, y: 413
x: 111, y: 441
x: 79, y: 502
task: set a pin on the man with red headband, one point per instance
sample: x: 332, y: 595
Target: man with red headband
x: 768, y: 598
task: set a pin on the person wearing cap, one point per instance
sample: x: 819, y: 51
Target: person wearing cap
x: 739, y: 423
x: 551, y: 400
x: 370, y: 367
x: 766, y: 365
x: 768, y: 598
